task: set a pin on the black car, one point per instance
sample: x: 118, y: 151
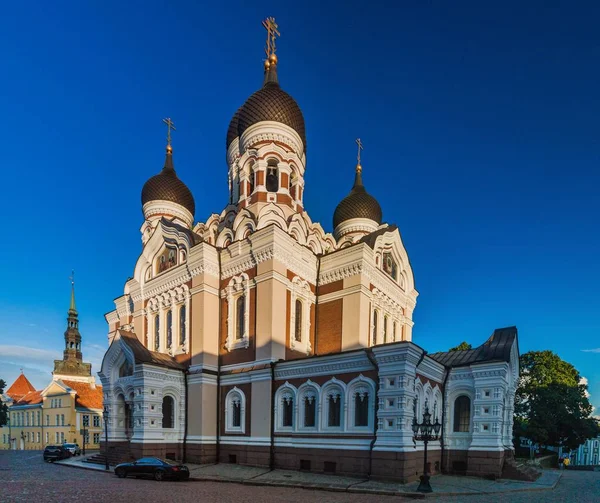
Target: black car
x: 56, y: 453
x: 153, y: 467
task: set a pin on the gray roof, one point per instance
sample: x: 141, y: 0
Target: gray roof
x: 496, y: 348
x: 144, y: 355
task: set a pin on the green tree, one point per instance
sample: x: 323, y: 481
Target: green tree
x: 463, y: 346
x: 3, y: 407
x: 551, y: 406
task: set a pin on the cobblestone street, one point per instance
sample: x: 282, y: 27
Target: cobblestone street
x: 24, y: 477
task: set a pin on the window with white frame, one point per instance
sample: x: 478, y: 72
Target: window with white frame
x: 169, y: 328
x: 238, y: 301
x: 47, y: 437
x: 157, y: 332
x: 375, y: 320
x: 301, y: 300
x: 361, y: 393
x: 96, y: 438
x: 287, y: 409
x: 333, y: 406
x: 235, y: 411
x: 182, y: 325
x: 385, y: 327
x: 96, y: 420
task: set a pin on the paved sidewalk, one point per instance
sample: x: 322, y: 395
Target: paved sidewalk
x: 443, y: 485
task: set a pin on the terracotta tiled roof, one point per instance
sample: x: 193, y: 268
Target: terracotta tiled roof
x: 88, y: 397
x: 20, y: 388
x: 31, y: 398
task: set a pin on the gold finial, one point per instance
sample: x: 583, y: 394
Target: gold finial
x: 272, y: 32
x: 360, y: 147
x: 170, y: 126
x: 72, y: 278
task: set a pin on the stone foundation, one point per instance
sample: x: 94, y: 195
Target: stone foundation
x: 485, y: 464
x: 251, y: 455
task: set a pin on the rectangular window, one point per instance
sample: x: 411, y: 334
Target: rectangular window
x: 96, y: 438
x: 86, y: 420
x: 47, y: 419
x: 237, y: 414
x: 334, y: 415
x: 288, y: 412
x: 47, y: 437
x: 86, y: 437
x: 38, y: 437
x: 96, y: 421
x: 309, y: 411
x: 57, y: 420
x: 57, y: 438
x: 62, y: 419
x: 62, y: 437
x: 361, y: 409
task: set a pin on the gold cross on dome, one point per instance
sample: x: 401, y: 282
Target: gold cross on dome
x: 360, y: 147
x: 170, y: 126
x: 272, y: 32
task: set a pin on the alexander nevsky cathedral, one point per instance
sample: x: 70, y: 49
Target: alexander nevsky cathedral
x: 256, y: 337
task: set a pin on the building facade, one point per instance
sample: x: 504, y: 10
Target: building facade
x: 68, y: 409
x: 257, y: 337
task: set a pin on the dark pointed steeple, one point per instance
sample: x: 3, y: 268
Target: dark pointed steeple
x: 72, y: 363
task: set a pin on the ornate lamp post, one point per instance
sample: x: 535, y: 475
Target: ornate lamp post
x: 426, y: 431
x: 105, y: 419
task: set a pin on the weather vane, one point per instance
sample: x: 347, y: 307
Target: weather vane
x: 360, y: 147
x: 272, y: 32
x: 170, y: 126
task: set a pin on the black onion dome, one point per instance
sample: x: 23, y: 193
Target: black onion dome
x: 357, y: 204
x: 270, y: 103
x: 166, y: 186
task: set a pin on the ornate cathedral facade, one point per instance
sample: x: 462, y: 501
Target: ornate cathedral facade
x: 258, y: 338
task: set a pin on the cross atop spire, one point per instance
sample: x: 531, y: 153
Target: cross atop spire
x: 170, y: 126
x: 272, y: 32
x: 360, y: 147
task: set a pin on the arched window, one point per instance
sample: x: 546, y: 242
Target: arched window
x: 298, y: 327
x: 332, y: 406
x: 462, y: 414
x: 182, y: 325
x: 361, y: 408
x: 168, y: 412
x: 385, y: 324
x: 375, y: 316
x: 156, y: 333
x: 394, y: 334
x: 169, y: 328
x: 240, y: 306
x: 251, y: 181
x: 272, y: 176
x: 235, y: 413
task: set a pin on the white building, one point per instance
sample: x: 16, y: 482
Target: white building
x: 257, y: 337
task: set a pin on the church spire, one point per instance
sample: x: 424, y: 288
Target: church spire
x: 72, y: 363
x: 72, y: 307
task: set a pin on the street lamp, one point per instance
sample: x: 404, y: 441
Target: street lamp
x: 105, y: 419
x: 426, y: 431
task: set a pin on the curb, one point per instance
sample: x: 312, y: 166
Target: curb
x: 348, y: 489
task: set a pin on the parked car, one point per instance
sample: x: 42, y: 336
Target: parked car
x: 74, y: 449
x: 153, y: 467
x: 56, y: 453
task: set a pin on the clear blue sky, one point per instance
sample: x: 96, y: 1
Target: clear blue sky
x: 484, y: 120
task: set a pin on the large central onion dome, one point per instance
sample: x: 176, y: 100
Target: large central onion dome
x: 270, y: 103
x: 166, y: 186
x: 358, y: 204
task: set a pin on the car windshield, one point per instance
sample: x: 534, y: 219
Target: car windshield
x: 69, y: 445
